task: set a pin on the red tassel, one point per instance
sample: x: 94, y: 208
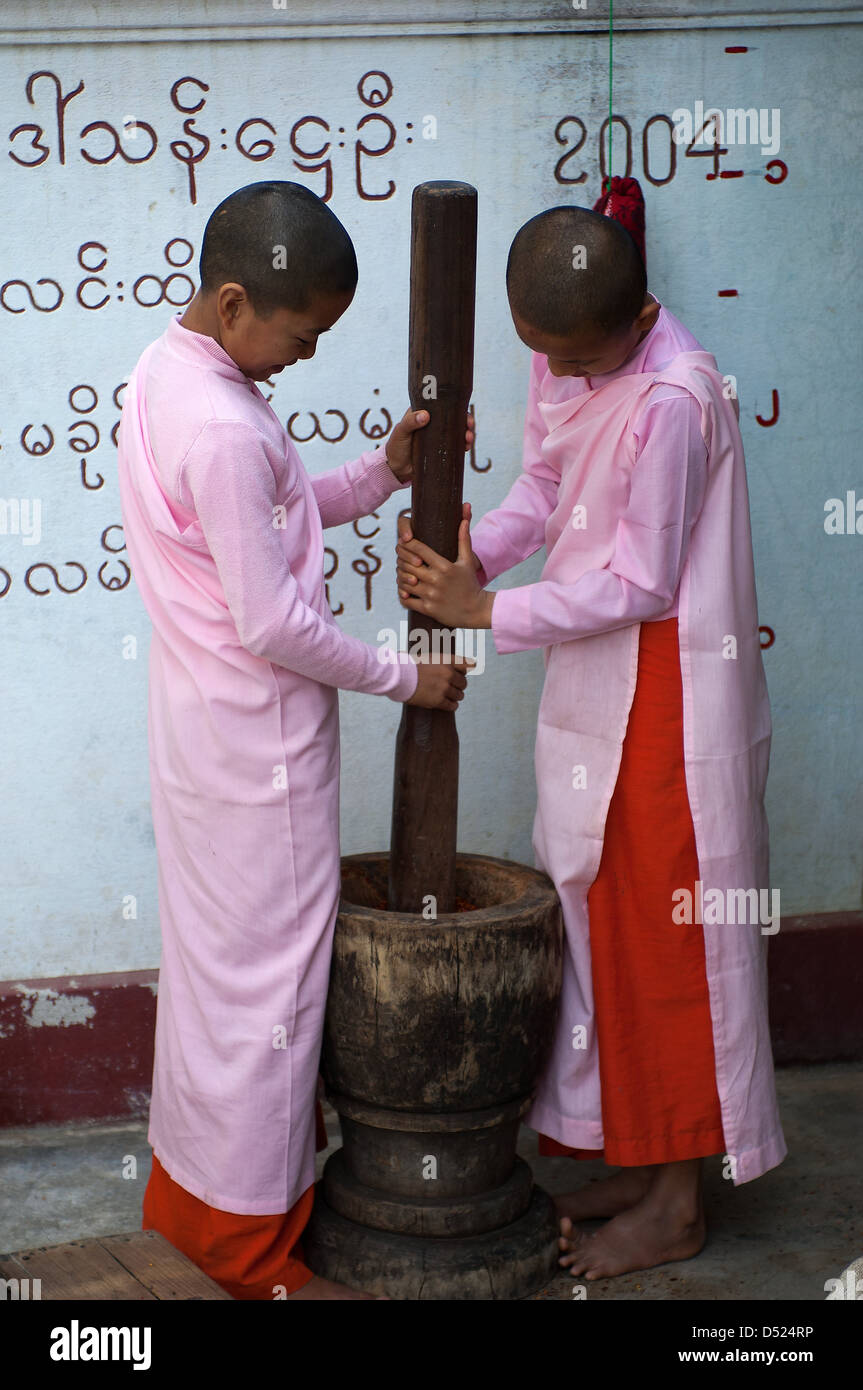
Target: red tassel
x: 624, y: 202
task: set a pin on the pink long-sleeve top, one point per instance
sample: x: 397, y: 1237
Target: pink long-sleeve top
x: 640, y: 581
x: 226, y: 462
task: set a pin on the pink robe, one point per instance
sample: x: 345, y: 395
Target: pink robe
x: 245, y: 664
x: 665, y: 530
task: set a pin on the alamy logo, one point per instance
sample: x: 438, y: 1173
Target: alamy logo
x: 844, y: 516
x: 737, y: 126
x: 22, y: 517
x: 847, y: 1286
x: 439, y: 646
x: 20, y: 1290
x: 77, y: 1343
x: 718, y: 906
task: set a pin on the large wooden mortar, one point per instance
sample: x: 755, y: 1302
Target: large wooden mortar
x: 435, y: 1035
x: 437, y: 1027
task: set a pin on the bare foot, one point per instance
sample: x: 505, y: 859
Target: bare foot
x: 667, y: 1224
x: 606, y: 1197
x: 318, y: 1288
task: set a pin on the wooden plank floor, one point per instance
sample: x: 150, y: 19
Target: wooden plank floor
x: 138, y: 1266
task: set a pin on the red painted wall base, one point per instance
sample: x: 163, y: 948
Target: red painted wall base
x: 81, y: 1048
x: 815, y: 969
x: 76, y: 1048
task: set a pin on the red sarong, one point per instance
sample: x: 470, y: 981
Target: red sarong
x: 655, y: 1042
x: 251, y: 1257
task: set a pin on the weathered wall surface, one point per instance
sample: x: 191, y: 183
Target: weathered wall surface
x: 115, y: 144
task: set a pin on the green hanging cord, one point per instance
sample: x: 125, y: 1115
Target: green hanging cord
x: 610, y: 65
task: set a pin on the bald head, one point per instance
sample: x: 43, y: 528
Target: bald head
x: 281, y: 243
x: 570, y: 269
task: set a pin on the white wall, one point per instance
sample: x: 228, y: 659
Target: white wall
x: 497, y: 78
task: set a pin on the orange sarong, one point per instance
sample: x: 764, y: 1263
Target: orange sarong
x: 654, y: 1036
x: 251, y: 1257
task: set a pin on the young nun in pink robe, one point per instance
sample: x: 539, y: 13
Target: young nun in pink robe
x: 650, y: 816
x: 224, y: 528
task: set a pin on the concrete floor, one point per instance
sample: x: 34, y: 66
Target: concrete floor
x: 779, y: 1237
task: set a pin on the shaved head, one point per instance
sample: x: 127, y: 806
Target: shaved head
x: 571, y: 269
x: 281, y: 243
